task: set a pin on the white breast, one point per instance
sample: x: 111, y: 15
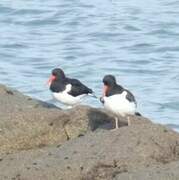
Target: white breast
x: 119, y: 105
x: 66, y: 98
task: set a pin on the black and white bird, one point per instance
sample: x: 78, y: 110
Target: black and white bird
x: 117, y: 99
x: 68, y: 91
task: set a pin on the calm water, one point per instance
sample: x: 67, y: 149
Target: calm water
x: 136, y: 41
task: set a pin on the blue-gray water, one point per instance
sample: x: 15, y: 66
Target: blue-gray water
x: 136, y: 41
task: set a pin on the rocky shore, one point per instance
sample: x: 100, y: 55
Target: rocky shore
x: 39, y: 141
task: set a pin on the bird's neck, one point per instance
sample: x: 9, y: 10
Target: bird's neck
x: 115, y: 89
x: 119, y: 87
x: 58, y: 85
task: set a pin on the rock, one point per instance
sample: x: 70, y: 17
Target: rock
x: 26, y: 123
x: 83, y: 119
x: 34, y: 134
x: 99, y: 155
x: 162, y: 172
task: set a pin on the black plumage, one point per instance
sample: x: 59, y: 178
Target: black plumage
x: 61, y: 81
x: 78, y: 88
x: 114, y: 88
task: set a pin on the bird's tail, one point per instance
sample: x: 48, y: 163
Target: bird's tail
x: 138, y: 114
x: 93, y: 95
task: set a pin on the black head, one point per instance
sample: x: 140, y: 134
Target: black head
x: 109, y: 80
x: 58, y: 73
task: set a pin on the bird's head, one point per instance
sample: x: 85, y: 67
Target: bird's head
x: 56, y: 75
x: 109, y: 82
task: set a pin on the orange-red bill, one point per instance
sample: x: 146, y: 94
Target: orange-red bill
x: 105, y: 90
x: 51, y: 79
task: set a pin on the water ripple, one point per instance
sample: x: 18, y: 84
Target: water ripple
x: 88, y: 39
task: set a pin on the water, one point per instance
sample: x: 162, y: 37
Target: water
x: 135, y: 41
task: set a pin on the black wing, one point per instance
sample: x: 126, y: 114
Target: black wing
x: 130, y: 96
x: 78, y: 88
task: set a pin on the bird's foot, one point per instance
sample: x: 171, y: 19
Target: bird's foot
x: 114, y: 129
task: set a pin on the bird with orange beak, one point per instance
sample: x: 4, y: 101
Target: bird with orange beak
x: 117, y: 99
x: 66, y: 90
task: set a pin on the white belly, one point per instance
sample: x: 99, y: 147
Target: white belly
x: 68, y: 99
x: 119, y: 105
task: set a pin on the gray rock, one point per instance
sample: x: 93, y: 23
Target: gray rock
x: 26, y: 123
x: 98, y: 155
x: 163, y: 172
x: 34, y: 134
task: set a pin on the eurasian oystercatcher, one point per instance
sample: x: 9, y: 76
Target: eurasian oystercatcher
x: 68, y: 91
x: 117, y: 99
